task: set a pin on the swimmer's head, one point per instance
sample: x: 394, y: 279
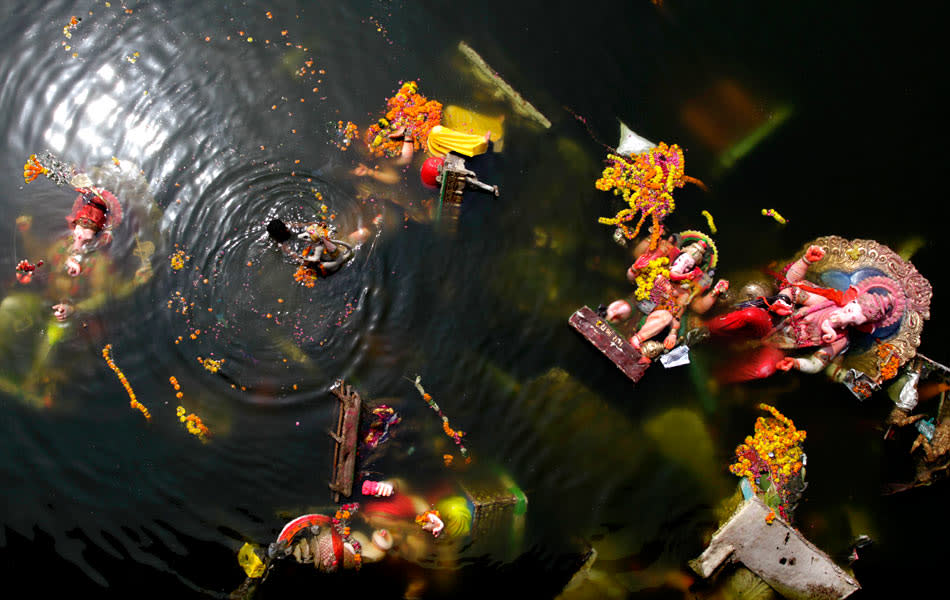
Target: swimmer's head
x: 278, y: 231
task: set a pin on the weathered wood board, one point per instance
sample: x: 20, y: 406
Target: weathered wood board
x: 599, y: 333
x: 345, y: 439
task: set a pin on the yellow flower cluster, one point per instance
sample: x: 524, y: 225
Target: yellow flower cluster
x: 710, y: 221
x: 212, y: 365
x: 771, y: 212
x: 775, y: 450
x: 178, y: 260
x: 647, y: 277
x: 106, y: 354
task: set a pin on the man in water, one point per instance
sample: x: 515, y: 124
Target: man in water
x: 323, y: 254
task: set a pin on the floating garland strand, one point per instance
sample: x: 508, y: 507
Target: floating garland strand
x: 58, y: 171
x: 193, y: 422
x: 452, y: 433
x: 340, y: 523
x: 106, y: 354
x: 771, y: 212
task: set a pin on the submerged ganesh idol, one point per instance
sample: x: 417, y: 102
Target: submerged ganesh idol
x: 673, y: 275
x: 862, y: 298
x: 665, y: 294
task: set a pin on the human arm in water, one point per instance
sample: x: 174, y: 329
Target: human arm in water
x: 816, y: 361
x: 386, y: 175
x: 332, y: 266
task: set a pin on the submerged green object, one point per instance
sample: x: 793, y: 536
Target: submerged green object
x: 521, y: 106
x: 457, y: 515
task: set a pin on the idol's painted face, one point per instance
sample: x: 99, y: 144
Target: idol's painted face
x: 683, y: 264
x: 849, y: 314
x: 81, y: 235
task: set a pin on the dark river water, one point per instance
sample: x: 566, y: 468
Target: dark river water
x: 216, y: 130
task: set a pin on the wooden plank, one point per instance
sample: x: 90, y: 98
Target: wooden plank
x: 345, y: 440
x: 599, y: 333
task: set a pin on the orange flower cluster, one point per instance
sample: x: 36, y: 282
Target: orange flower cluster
x: 646, y: 183
x: 346, y: 133
x: 305, y: 276
x: 424, y: 517
x: 862, y: 388
x: 174, y: 381
x: 773, y: 456
x: 888, y: 361
x: 106, y: 354
x: 410, y: 111
x: 33, y: 169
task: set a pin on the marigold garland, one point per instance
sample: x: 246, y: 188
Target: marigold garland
x: 452, y: 433
x: 106, y: 354
x: 645, y: 182
x: 33, y: 169
x: 888, y: 361
x: 771, y: 212
x: 408, y: 110
x: 340, y: 522
x: 647, y: 277
x: 774, y: 454
x: 305, y: 276
x: 193, y: 422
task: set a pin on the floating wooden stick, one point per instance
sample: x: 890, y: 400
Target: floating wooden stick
x: 521, y: 106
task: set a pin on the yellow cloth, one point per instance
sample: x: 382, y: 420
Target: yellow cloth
x: 467, y: 121
x: 442, y: 140
x: 250, y: 562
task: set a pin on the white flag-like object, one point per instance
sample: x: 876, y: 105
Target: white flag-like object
x: 631, y: 143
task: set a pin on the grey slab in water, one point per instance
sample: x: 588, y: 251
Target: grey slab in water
x: 777, y: 553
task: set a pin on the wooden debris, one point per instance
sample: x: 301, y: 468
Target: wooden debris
x: 521, y: 106
x: 345, y: 439
x: 599, y: 333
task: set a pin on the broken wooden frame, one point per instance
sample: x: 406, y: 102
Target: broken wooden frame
x: 345, y: 440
